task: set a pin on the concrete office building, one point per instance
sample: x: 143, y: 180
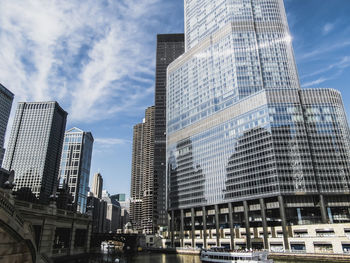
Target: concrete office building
x: 6, y: 98
x: 249, y: 152
x: 35, y: 146
x: 75, y: 166
x: 142, y: 200
x: 97, y: 208
x: 169, y: 47
x: 113, y: 213
x: 97, y: 185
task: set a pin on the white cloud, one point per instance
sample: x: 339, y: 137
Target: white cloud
x: 328, y: 27
x: 95, y: 57
x: 314, y: 82
x: 342, y: 64
x: 109, y: 142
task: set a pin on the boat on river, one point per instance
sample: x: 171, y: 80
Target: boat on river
x: 222, y: 255
x: 108, y: 247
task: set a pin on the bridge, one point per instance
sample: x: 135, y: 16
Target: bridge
x: 32, y: 233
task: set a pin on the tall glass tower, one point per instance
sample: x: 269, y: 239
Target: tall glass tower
x: 169, y: 47
x: 242, y: 136
x: 35, y: 147
x: 75, y: 165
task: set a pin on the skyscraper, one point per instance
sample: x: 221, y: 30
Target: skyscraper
x: 6, y: 98
x: 75, y: 165
x: 169, y: 47
x: 142, y: 203
x: 136, y: 189
x: 35, y: 146
x: 97, y: 185
x: 246, y: 146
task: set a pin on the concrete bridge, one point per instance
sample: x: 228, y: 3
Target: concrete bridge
x: 38, y: 233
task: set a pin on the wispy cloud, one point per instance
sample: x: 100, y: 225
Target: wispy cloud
x: 95, y: 57
x: 314, y: 82
x: 324, y: 49
x: 342, y: 64
x: 328, y: 27
x: 109, y: 142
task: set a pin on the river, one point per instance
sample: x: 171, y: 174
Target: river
x: 150, y: 258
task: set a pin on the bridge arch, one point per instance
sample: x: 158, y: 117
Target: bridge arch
x: 16, y: 235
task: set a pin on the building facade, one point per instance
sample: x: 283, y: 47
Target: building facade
x: 75, y: 165
x: 35, y: 146
x: 113, y: 213
x: 169, y: 47
x: 142, y: 199
x: 97, y: 209
x: 247, y: 148
x: 97, y: 185
x: 6, y: 98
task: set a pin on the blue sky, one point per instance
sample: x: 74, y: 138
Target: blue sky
x: 97, y: 59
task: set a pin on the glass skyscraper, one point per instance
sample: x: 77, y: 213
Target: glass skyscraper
x: 246, y: 146
x: 75, y: 165
x: 169, y: 47
x: 35, y: 146
x: 6, y: 98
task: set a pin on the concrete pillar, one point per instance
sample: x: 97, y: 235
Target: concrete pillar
x: 88, y: 237
x: 182, y: 228
x: 323, y: 210
x: 72, y: 239
x: 47, y: 237
x: 284, y: 222
x: 172, y: 228
x: 217, y: 225
x: 264, y: 223
x: 204, y: 227
x: 247, y: 225
x: 232, y: 232
x: 193, y: 234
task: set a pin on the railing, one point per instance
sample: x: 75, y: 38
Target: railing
x: 6, y: 205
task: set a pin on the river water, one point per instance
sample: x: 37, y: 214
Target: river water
x: 149, y: 258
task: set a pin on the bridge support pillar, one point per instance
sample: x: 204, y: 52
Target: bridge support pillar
x: 72, y: 239
x: 88, y: 238
x: 47, y: 237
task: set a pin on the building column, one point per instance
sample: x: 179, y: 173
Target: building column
x: 47, y: 237
x: 323, y: 210
x: 284, y: 222
x: 193, y: 226
x: 182, y: 228
x: 217, y: 225
x: 172, y: 228
x: 232, y: 232
x: 204, y: 215
x: 88, y: 237
x: 264, y: 223
x: 72, y: 239
x: 247, y: 225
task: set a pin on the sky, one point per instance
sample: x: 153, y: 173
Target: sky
x: 97, y: 59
